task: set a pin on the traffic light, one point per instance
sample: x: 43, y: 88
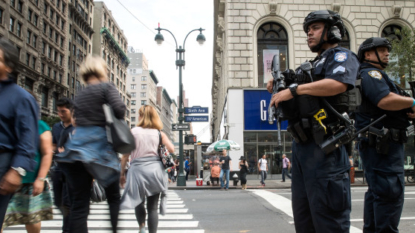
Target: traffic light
x: 190, y: 139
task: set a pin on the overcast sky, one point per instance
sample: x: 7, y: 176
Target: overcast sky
x: 179, y: 17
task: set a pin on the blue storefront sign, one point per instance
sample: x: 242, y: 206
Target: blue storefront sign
x: 256, y: 104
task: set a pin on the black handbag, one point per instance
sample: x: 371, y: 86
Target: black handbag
x: 97, y: 192
x: 166, y: 160
x: 118, y: 132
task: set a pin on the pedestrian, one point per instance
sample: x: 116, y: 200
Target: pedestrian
x: 187, y: 167
x: 146, y: 178
x: 243, y: 170
x: 89, y: 151
x: 60, y: 134
x: 383, y: 154
x: 177, y: 162
x: 173, y: 172
x: 215, y: 174
x: 263, y: 169
x: 286, y: 165
x: 226, y: 162
x: 32, y: 203
x: 312, y: 95
x: 19, y: 136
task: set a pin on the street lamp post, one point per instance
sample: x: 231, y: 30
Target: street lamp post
x: 181, y: 178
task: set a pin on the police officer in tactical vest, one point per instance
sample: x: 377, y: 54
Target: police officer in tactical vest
x: 320, y: 181
x: 381, y: 149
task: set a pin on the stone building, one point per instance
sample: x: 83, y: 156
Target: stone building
x: 110, y: 43
x: 164, y: 103
x: 141, y: 84
x: 79, y: 31
x: 37, y: 28
x: 248, y: 33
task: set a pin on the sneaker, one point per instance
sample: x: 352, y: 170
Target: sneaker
x: 226, y: 189
x: 143, y: 230
x: 282, y: 180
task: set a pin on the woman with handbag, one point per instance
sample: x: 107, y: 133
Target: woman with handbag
x: 146, y: 176
x: 243, y: 170
x: 89, y: 155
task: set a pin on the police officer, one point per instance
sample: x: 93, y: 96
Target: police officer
x: 382, y: 153
x: 320, y: 182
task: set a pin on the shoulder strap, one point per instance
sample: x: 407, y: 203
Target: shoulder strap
x: 106, y: 86
x: 159, y: 147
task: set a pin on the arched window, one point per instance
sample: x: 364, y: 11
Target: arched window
x: 272, y: 39
x: 390, y: 32
x: 345, y: 42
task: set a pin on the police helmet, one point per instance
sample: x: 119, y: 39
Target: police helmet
x: 330, y: 18
x: 372, y: 43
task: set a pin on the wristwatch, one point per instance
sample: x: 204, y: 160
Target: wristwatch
x: 293, y: 89
x: 20, y: 170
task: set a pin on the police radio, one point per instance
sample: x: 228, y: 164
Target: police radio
x: 278, y: 85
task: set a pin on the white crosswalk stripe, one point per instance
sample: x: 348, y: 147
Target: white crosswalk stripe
x: 177, y: 219
x: 284, y: 204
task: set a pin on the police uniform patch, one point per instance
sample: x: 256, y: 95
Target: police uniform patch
x: 375, y: 74
x: 340, y: 56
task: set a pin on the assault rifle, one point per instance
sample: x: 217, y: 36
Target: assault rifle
x: 278, y: 85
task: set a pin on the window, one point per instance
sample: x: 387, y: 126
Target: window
x: 54, y: 100
x: 56, y: 37
x: 62, y: 24
x: 61, y: 60
x: 133, y: 94
x: 73, y: 50
x: 62, y: 42
x: 272, y: 40
x: 48, y: 74
x: 27, y: 59
x: 29, y: 15
x: 33, y: 63
x: 49, y: 52
x: 132, y: 119
x: 142, y: 94
x: 133, y: 79
x: 73, y: 82
x: 60, y: 78
x: 133, y: 86
x: 143, y: 86
x: 29, y: 35
x: 43, y: 47
x: 20, y: 6
x: 36, y: 2
x: 51, y: 14
x: 54, y: 75
x: 63, y: 7
x: 57, y: 20
x: 35, y: 19
x: 50, y: 32
x: 1, y: 16
x: 55, y: 58
x: 390, y: 32
x: 133, y: 102
x: 45, y: 9
x: 143, y: 78
x: 11, y: 24
x: 143, y: 102
x: 19, y: 29
x: 133, y: 110
x: 13, y: 3
x: 34, y: 40
x: 44, y: 27
x: 28, y: 84
x: 67, y: 80
x: 42, y: 68
x: 45, y: 91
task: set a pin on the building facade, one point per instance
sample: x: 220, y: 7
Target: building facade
x: 165, y: 110
x: 37, y: 28
x: 79, y: 31
x: 141, y: 84
x: 110, y: 43
x: 247, y: 35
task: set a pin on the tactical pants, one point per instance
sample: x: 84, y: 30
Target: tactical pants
x: 386, y: 179
x: 320, y: 189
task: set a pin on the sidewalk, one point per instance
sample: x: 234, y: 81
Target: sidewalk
x: 274, y: 183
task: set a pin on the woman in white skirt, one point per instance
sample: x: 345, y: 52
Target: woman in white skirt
x: 146, y: 176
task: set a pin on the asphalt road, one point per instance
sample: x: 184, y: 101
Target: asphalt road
x: 268, y: 210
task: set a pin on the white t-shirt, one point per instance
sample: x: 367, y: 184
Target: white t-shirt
x: 262, y: 164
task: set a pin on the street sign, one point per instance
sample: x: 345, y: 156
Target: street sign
x: 196, y: 110
x: 180, y: 127
x: 196, y: 118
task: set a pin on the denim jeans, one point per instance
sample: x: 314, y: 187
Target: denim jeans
x: 227, y: 173
x: 79, y: 186
x: 285, y: 172
x: 263, y: 176
x: 60, y: 195
x: 5, y: 161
